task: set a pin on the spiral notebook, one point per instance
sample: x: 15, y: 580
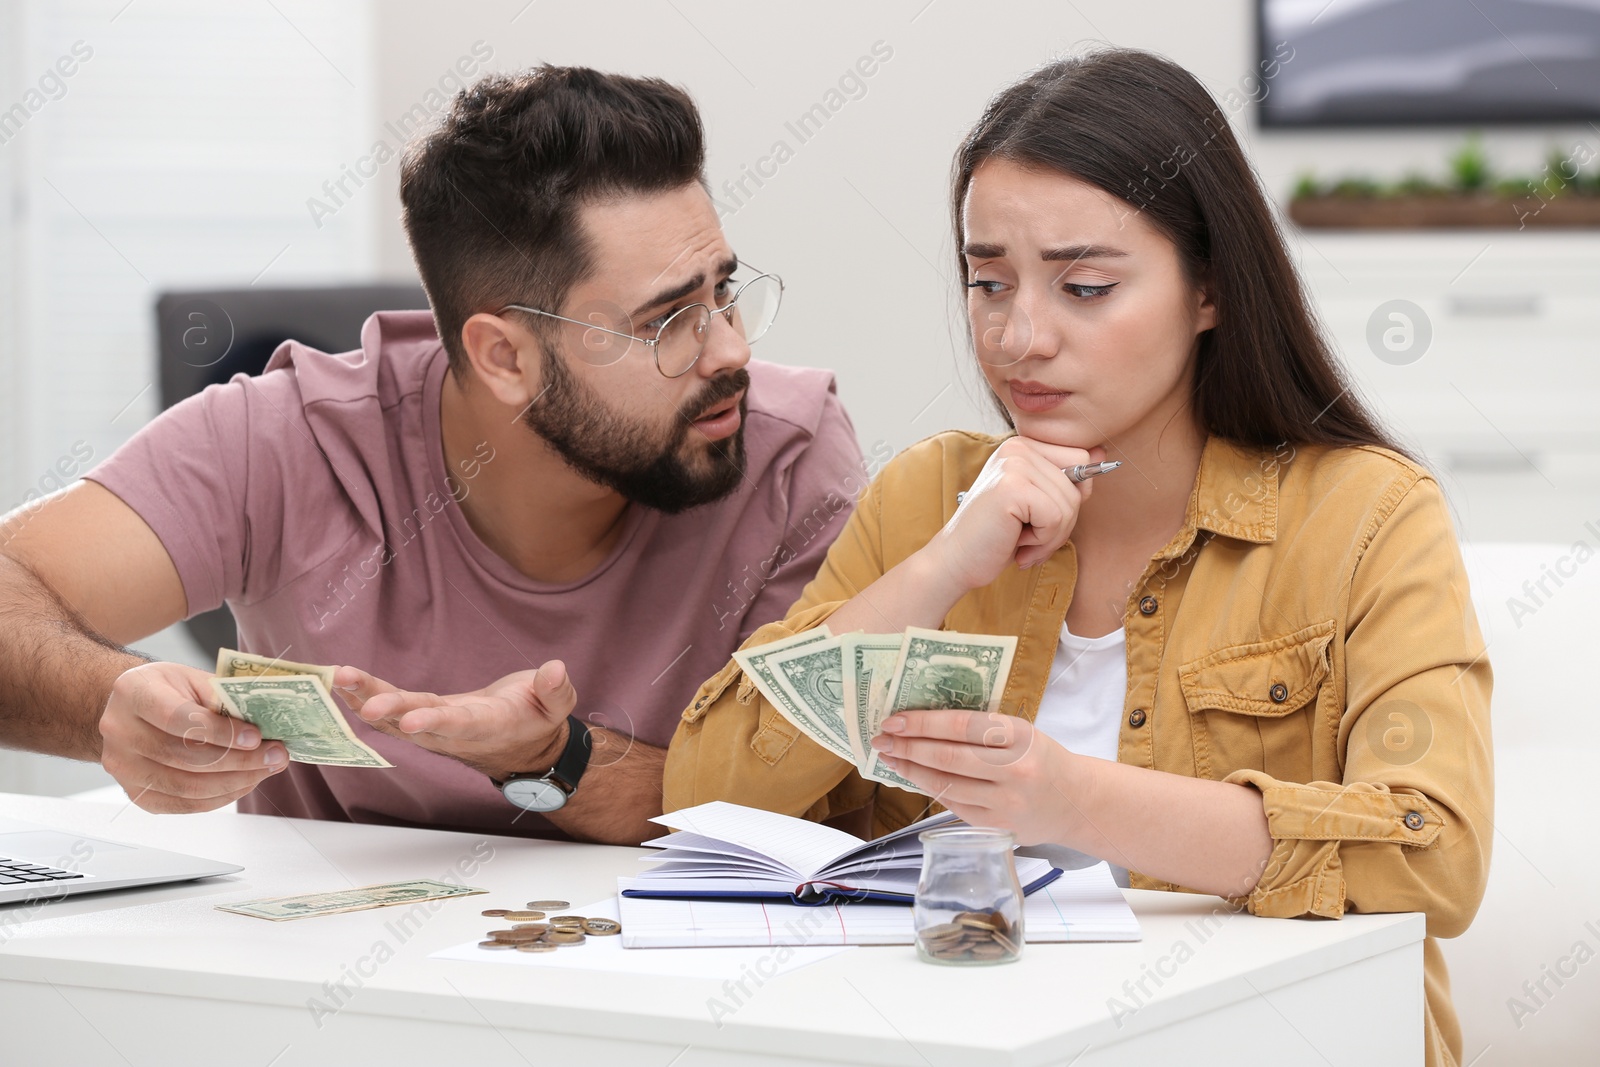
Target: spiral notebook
x: 731, y: 852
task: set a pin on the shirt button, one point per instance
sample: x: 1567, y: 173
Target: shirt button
x: 1148, y: 605
x: 1414, y: 820
x: 1136, y: 718
x: 700, y: 703
x: 1279, y: 693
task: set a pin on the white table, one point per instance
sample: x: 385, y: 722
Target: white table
x: 158, y: 976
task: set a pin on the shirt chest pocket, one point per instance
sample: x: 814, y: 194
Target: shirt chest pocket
x: 1255, y: 705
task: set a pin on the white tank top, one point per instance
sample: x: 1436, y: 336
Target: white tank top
x: 1082, y: 709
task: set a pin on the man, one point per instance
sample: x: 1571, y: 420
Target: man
x: 577, y: 484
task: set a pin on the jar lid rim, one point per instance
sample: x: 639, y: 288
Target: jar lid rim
x: 969, y: 835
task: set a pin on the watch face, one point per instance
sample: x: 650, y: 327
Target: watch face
x: 535, y: 794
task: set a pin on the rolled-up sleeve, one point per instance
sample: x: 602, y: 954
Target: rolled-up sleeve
x: 1409, y: 827
x: 732, y: 744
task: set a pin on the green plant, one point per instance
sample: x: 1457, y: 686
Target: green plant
x: 1469, y: 166
x: 1356, y: 186
x: 1513, y: 188
x: 1470, y: 173
x: 1416, y: 183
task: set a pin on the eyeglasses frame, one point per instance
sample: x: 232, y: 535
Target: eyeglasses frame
x: 653, y: 343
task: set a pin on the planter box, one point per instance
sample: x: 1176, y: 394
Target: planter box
x: 1425, y: 212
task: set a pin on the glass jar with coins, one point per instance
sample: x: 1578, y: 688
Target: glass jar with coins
x: 968, y: 907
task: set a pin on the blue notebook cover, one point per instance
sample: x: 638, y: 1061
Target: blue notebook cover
x: 814, y: 894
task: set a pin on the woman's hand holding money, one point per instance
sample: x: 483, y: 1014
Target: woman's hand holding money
x: 990, y: 768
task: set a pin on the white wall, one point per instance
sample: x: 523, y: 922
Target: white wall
x: 857, y: 221
x: 180, y: 151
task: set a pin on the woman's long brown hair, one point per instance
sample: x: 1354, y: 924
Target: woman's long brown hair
x: 1145, y: 130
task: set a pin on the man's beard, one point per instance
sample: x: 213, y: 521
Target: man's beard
x: 627, y: 456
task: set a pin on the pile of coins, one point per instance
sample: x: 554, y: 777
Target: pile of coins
x: 530, y: 931
x: 972, y: 936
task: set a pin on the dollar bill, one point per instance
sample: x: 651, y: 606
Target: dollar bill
x: 757, y: 666
x: 939, y: 669
x: 838, y: 691
x: 385, y: 895
x: 812, y: 676
x: 298, y: 710
x: 232, y: 663
x: 869, y: 663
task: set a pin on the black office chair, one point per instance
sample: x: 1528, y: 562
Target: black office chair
x: 205, y: 337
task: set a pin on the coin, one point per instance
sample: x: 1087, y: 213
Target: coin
x: 496, y: 944
x: 976, y: 936
x: 549, y: 905
x: 602, y: 927
x: 516, y: 935
x: 496, y: 913
x: 536, y: 946
x: 940, y: 931
x: 566, y: 920
x: 540, y: 927
x: 523, y: 916
x: 565, y: 937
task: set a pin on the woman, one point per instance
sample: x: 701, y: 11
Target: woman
x: 1247, y: 662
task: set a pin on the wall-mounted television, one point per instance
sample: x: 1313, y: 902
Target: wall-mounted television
x: 1428, y: 62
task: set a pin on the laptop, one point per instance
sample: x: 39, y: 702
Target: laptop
x: 41, y: 863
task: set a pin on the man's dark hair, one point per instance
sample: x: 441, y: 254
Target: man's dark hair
x: 491, y: 195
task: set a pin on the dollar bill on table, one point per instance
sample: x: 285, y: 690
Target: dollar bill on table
x: 232, y: 663
x: 298, y: 710
x: 386, y: 895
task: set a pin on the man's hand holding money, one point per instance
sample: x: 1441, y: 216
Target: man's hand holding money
x: 167, y: 744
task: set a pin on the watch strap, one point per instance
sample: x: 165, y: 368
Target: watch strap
x: 569, y: 766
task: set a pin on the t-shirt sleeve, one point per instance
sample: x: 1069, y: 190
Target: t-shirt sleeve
x: 824, y: 481
x: 196, y: 475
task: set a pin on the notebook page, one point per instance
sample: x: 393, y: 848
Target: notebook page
x: 804, y: 846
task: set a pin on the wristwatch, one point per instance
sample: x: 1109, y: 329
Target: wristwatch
x: 550, y: 790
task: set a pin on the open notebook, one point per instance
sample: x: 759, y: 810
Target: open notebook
x: 729, y: 851
x: 1081, y: 905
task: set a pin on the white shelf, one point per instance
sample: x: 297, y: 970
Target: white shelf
x: 1503, y: 401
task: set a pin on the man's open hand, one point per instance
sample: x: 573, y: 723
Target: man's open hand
x: 517, y: 724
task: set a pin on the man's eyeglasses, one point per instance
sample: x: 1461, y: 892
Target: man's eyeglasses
x: 680, y: 339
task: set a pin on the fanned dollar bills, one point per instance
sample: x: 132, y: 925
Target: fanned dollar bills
x: 292, y: 703
x: 838, y: 690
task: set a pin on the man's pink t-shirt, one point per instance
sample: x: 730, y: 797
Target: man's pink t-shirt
x: 314, y: 500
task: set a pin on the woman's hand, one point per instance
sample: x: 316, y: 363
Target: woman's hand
x: 1021, y: 509
x: 990, y: 769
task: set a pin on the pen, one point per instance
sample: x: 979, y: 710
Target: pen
x: 1084, y: 471
x: 1080, y: 473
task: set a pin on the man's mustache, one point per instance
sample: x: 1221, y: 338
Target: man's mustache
x: 716, y: 391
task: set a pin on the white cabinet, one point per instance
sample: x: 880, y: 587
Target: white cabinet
x: 1481, y: 350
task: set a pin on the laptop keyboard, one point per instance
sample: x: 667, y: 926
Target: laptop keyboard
x: 15, y: 872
